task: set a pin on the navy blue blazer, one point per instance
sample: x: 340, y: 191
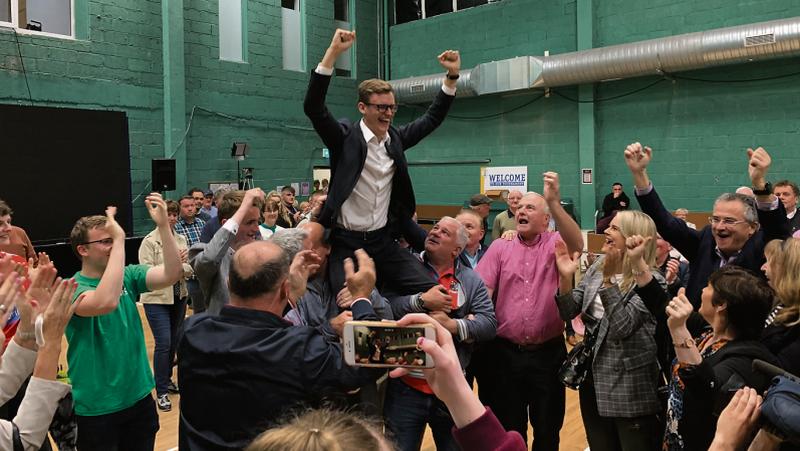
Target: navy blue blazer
x: 348, y: 150
x: 699, y: 247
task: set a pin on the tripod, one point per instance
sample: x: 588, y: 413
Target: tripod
x: 246, y: 178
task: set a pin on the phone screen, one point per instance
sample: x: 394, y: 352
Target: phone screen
x: 387, y: 345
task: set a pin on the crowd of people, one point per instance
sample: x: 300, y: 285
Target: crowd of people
x: 668, y: 342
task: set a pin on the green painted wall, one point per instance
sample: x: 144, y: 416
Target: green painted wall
x: 700, y: 130
x: 116, y: 64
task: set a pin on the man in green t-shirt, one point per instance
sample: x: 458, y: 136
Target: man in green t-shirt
x: 108, y: 366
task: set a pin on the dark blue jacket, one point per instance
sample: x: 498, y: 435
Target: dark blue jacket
x: 699, y: 247
x: 242, y: 370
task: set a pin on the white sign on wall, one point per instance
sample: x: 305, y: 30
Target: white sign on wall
x: 505, y: 178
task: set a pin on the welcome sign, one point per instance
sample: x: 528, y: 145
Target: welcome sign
x: 505, y: 178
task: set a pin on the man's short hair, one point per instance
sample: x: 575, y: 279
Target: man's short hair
x: 679, y: 211
x: 290, y: 240
x: 187, y: 197
x: 748, y: 300
x: 317, y: 193
x: 173, y: 207
x: 750, y: 213
x: 782, y: 183
x: 264, y: 279
x: 372, y: 86
x: 616, y: 184
x: 462, y: 236
x: 4, y: 208
x: 80, y: 231
x: 473, y: 213
x: 288, y: 188
x: 231, y: 202
x: 194, y: 190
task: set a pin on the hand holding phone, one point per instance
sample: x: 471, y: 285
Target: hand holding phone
x: 384, y: 344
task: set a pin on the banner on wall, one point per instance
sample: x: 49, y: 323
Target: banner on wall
x: 505, y: 178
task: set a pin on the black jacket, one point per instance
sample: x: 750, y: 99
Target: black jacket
x: 348, y: 150
x: 784, y: 342
x: 711, y: 385
x: 699, y: 247
x: 243, y: 370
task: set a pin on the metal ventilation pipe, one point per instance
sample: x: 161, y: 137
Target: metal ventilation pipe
x: 740, y: 44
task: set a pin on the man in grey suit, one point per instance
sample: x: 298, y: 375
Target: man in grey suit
x: 239, y: 213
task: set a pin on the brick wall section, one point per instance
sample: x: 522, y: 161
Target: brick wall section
x: 700, y: 130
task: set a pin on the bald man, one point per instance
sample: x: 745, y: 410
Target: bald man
x: 520, y: 367
x: 242, y: 370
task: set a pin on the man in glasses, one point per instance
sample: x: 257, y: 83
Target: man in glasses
x: 108, y: 365
x: 371, y: 189
x: 739, y: 226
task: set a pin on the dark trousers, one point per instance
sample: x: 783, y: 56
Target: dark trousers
x: 165, y: 322
x: 196, y: 294
x: 399, y: 272
x: 407, y: 411
x: 518, y: 384
x: 617, y: 433
x: 131, y: 429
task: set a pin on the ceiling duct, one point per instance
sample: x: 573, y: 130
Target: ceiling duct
x: 732, y: 45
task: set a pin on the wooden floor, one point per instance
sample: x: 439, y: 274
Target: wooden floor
x: 573, y: 437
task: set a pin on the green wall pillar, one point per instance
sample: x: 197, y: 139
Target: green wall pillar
x: 586, y: 135
x: 174, y: 88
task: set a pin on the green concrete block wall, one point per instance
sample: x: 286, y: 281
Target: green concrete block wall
x: 538, y: 135
x: 118, y: 68
x: 263, y: 102
x: 700, y: 130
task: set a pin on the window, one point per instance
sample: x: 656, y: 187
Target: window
x: 293, y: 40
x: 46, y: 16
x: 232, y: 30
x: 410, y: 10
x: 342, y: 18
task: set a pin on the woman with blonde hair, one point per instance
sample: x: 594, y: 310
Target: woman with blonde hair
x: 782, y: 333
x: 618, y: 396
x: 284, y: 216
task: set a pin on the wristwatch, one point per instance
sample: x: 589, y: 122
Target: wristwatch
x: 765, y: 191
x: 686, y: 343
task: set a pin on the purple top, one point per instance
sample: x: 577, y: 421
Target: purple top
x: 524, y: 278
x: 487, y: 434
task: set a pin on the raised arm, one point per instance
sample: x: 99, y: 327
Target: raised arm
x: 771, y: 213
x: 168, y: 274
x: 567, y: 227
x: 569, y: 300
x: 105, y: 298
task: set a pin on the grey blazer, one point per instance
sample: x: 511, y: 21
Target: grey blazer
x: 211, y: 262
x: 624, y: 368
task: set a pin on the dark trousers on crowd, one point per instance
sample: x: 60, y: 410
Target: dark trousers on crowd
x: 518, y: 383
x: 165, y: 322
x: 617, y: 433
x: 408, y: 410
x: 196, y: 294
x: 399, y: 272
x: 131, y: 429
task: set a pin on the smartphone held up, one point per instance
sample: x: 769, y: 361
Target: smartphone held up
x: 383, y: 344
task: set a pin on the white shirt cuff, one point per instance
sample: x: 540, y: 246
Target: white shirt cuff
x: 322, y: 70
x: 231, y: 226
x: 643, y: 191
x: 449, y: 91
x: 767, y: 206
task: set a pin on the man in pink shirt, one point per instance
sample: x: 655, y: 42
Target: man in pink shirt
x: 518, y: 371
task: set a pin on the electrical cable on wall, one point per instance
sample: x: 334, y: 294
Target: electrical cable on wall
x: 22, y: 64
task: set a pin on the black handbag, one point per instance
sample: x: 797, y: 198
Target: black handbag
x: 579, y: 360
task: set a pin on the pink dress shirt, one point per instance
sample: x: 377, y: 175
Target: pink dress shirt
x: 524, y: 279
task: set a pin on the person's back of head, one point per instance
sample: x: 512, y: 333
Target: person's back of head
x: 291, y: 241
x: 322, y: 430
x: 747, y: 299
x: 257, y: 269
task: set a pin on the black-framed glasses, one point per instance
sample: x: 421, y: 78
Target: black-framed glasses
x: 382, y: 107
x: 104, y: 241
